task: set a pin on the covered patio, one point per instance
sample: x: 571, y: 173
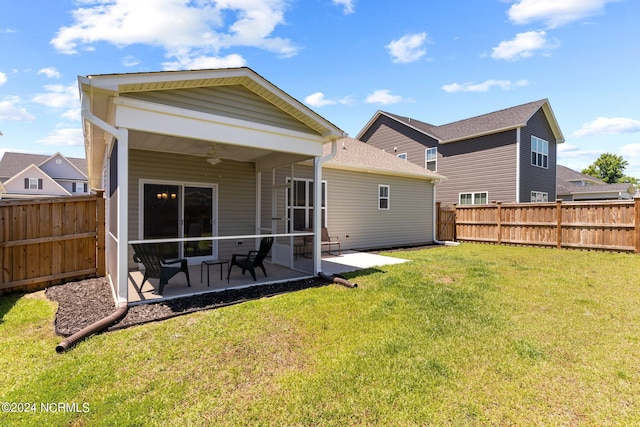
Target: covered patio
x: 202, y: 164
x: 215, y: 280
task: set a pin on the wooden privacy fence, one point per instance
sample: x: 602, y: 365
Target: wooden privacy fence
x: 601, y: 225
x: 48, y: 241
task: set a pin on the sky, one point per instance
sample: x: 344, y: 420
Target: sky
x: 433, y: 61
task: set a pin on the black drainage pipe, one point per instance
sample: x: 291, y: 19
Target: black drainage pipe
x: 337, y: 279
x: 94, y: 328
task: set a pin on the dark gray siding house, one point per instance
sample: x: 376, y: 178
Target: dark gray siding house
x: 507, y: 155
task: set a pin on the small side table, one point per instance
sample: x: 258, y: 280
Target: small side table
x: 209, y: 263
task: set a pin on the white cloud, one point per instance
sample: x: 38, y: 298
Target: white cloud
x: 10, y: 109
x: 567, y: 150
x: 182, y: 27
x: 348, y: 5
x: 484, y: 86
x: 522, y: 46
x: 608, y: 126
x: 186, y: 62
x: 3, y: 78
x: 72, y: 114
x: 383, y: 96
x: 554, y: 13
x: 50, y: 72
x: 58, y: 96
x: 130, y: 61
x: 64, y: 137
x: 317, y: 99
x: 408, y: 48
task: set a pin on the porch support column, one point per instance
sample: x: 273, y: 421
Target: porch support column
x: 317, y: 207
x: 123, y: 215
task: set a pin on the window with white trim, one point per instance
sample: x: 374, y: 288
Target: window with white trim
x: 384, y: 197
x: 402, y: 156
x: 539, y: 152
x: 431, y: 159
x: 479, y: 198
x: 539, y: 197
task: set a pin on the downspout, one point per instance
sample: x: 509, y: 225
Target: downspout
x: 317, y: 203
x: 122, y: 135
x: 435, y: 222
x: 94, y: 328
x: 123, y: 306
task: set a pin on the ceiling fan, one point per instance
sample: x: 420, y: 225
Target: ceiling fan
x: 212, y: 156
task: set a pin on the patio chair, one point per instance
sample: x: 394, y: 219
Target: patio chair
x: 325, y: 240
x: 253, y: 259
x: 157, y: 267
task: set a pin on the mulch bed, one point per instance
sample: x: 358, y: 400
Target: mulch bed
x: 87, y: 301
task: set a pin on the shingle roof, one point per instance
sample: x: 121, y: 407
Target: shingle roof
x: 421, y: 126
x: 564, y: 187
x: 564, y: 173
x: 356, y: 155
x: 13, y: 163
x: 488, y: 123
x: 497, y: 121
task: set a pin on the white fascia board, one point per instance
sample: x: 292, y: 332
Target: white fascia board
x: 113, y: 82
x: 167, y: 120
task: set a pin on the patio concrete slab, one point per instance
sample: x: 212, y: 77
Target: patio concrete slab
x: 352, y: 260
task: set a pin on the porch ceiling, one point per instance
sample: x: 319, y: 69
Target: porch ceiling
x: 193, y: 147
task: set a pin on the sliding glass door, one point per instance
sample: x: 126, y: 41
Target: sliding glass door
x: 171, y: 210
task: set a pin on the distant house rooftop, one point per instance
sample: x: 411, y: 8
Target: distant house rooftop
x: 575, y: 186
x: 12, y: 163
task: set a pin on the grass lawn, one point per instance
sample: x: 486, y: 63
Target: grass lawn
x: 467, y: 335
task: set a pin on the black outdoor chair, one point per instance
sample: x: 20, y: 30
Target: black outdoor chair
x: 156, y: 267
x: 253, y: 259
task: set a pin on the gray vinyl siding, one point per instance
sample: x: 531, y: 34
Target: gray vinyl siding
x: 534, y: 178
x: 62, y: 171
x: 483, y: 164
x: 230, y: 101
x: 354, y: 217
x: 235, y: 182
x: 389, y: 135
x: 352, y: 208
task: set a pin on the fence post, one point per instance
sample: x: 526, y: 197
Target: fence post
x: 499, y: 222
x: 559, y: 223
x: 101, y: 269
x: 438, y: 221
x: 455, y: 221
x: 636, y: 225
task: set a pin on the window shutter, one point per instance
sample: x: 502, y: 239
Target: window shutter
x: 26, y: 183
x: 85, y: 187
x: 73, y: 187
x: 39, y: 183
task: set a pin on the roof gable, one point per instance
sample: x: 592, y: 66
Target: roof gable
x: 59, y: 167
x: 13, y: 163
x: 485, y: 124
x: 15, y: 184
x: 196, y: 79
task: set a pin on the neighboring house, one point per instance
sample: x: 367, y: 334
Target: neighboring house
x: 508, y: 155
x: 33, y: 175
x: 575, y: 186
x: 228, y: 154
